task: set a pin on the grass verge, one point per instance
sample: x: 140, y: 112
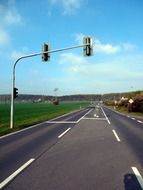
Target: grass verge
x: 125, y: 111
x: 27, y: 114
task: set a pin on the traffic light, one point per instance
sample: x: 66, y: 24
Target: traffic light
x: 15, y: 92
x: 87, y: 46
x: 45, y: 56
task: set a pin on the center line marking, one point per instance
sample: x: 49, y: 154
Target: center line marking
x: 105, y: 115
x: 138, y: 176
x: 12, y: 176
x: 64, y: 133
x: 116, y: 135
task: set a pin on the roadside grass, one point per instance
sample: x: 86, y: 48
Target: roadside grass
x: 125, y: 111
x: 27, y: 114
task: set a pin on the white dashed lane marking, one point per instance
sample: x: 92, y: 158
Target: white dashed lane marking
x: 12, y: 176
x: 139, y: 121
x: 105, y: 115
x: 138, y: 176
x: 64, y: 133
x: 117, y: 137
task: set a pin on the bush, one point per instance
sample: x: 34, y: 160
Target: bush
x: 137, y: 105
x: 109, y: 102
x: 56, y: 102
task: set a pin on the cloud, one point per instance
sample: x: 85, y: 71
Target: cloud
x: 71, y: 59
x: 106, y: 48
x: 9, y: 16
x: 17, y: 54
x: 12, y: 17
x: 79, y: 38
x: 128, y: 46
x: 109, y: 48
x: 69, y: 6
x: 99, y: 47
x: 112, y: 75
x: 4, y: 38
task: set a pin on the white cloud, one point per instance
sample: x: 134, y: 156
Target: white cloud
x: 112, y: 75
x: 8, y: 17
x: 113, y: 49
x: 9, y: 14
x: 71, y: 59
x: 105, y: 48
x: 128, y: 46
x: 79, y: 38
x: 17, y: 54
x: 99, y: 46
x: 69, y: 6
x: 4, y: 38
x: 12, y: 17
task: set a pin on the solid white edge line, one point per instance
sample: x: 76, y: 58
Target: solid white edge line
x: 105, y: 115
x: 12, y: 176
x: 138, y: 176
x: 64, y: 133
x: 52, y: 121
x: 66, y: 114
x: 114, y: 132
x: 84, y: 116
x: 36, y: 125
x: 21, y: 130
x: 125, y: 115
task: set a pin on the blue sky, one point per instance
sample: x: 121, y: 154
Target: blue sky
x: 115, y: 25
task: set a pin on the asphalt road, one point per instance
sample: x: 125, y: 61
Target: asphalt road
x: 93, y: 149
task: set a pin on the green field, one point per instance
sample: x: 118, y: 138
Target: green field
x: 27, y: 114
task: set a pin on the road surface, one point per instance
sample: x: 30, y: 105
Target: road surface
x: 95, y: 148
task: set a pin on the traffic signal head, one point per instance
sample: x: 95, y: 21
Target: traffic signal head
x: 15, y: 92
x: 88, y: 46
x: 45, y: 56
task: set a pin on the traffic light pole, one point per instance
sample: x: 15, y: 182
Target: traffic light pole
x: 13, y: 75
